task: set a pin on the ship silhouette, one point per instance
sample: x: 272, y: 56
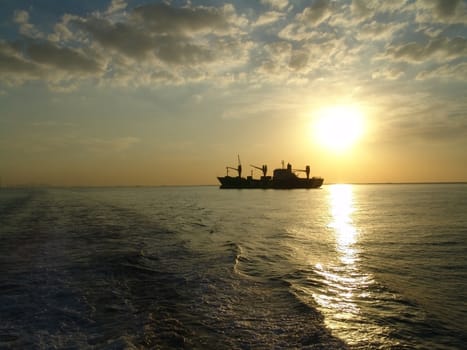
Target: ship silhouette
x: 282, y: 178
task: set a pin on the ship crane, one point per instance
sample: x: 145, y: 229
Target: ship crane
x: 264, y: 168
x: 307, y: 171
x: 238, y: 169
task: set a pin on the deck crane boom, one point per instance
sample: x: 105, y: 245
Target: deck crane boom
x: 307, y: 171
x: 238, y: 169
x: 263, y: 168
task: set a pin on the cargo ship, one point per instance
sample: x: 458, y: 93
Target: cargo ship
x: 282, y: 178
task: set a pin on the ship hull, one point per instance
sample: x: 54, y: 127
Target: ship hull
x: 268, y: 183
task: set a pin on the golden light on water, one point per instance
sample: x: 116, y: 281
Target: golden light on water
x: 338, y: 283
x: 343, y: 276
x: 341, y: 201
x: 344, y: 280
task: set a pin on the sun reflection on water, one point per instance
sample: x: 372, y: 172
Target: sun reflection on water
x: 342, y: 278
x: 341, y: 203
x: 336, y: 281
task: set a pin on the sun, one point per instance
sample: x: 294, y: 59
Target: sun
x: 338, y: 128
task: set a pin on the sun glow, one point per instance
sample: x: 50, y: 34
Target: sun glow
x: 338, y: 128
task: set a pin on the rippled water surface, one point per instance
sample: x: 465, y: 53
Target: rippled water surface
x: 345, y: 266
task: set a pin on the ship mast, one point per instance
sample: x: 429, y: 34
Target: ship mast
x: 238, y: 169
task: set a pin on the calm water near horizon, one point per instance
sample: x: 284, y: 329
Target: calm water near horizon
x: 345, y: 266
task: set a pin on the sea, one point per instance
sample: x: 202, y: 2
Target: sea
x: 342, y: 267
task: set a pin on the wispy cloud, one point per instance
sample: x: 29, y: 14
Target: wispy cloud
x: 276, y: 4
x: 114, y: 145
x: 268, y: 18
x: 445, y: 72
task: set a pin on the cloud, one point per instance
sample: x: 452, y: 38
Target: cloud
x: 441, y: 11
x: 275, y: 58
x: 121, y: 37
x: 150, y: 43
x: 268, y: 18
x: 391, y: 6
x: 392, y: 73
x: 21, y: 17
x: 438, y: 130
x: 379, y: 31
x: 446, y: 72
x: 279, y: 107
x: 295, y: 31
x: 171, y: 44
x: 43, y: 138
x: 61, y: 30
x: 68, y: 59
x: 439, y: 49
x: 420, y: 117
x: 301, y: 62
x: 276, y: 4
x: 282, y: 60
x: 298, y: 59
x: 362, y: 9
x: 14, y: 68
x: 158, y: 31
x: 116, y: 6
x: 164, y: 19
x: 52, y: 124
x: 38, y: 59
x: 305, y: 26
x: 445, y: 8
x: 114, y: 145
x: 317, y: 13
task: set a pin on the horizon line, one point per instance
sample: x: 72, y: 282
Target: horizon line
x: 211, y: 185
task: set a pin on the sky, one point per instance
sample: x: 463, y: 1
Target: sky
x: 139, y: 92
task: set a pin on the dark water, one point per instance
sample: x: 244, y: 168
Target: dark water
x: 363, y: 267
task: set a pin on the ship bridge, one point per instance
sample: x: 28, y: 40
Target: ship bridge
x: 284, y: 174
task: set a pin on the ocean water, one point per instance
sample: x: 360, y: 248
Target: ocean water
x: 345, y: 266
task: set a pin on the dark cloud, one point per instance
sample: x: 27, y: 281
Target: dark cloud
x: 159, y: 31
x: 165, y: 19
x: 61, y: 68
x: 136, y: 43
x: 173, y: 50
x: 11, y: 61
x: 361, y: 10
x: 298, y: 60
x: 62, y: 57
x: 318, y: 12
x: 122, y: 37
x: 442, y: 11
x: 446, y: 8
x: 37, y: 59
